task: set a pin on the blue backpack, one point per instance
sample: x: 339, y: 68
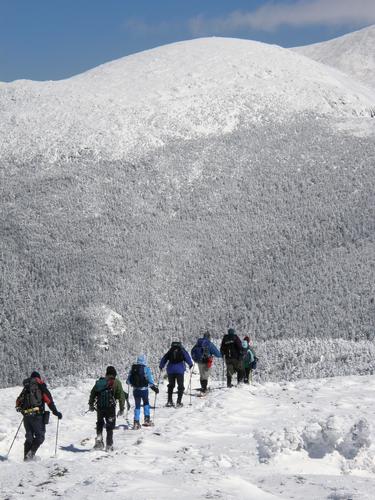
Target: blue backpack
x: 201, y: 351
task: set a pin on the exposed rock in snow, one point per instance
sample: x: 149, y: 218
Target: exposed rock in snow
x: 353, y: 53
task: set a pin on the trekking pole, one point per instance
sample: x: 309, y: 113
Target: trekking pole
x: 57, y: 435
x: 15, y: 436
x: 127, y: 408
x: 191, y: 374
x: 223, y: 372
x: 153, y: 416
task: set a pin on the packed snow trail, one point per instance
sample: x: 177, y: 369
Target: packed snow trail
x: 309, y: 439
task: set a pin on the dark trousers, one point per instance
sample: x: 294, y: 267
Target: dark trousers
x: 234, y: 366
x: 172, y: 379
x: 247, y: 375
x: 35, y: 432
x: 106, y: 416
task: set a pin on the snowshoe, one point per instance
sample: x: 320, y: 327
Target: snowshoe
x: 147, y: 422
x: 30, y: 456
x: 179, y: 405
x: 109, y: 447
x: 136, y: 425
x: 170, y: 404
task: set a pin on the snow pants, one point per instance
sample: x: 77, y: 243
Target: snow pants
x: 248, y: 375
x: 141, y: 395
x: 106, y: 416
x: 172, y: 379
x: 35, y: 432
x: 234, y: 366
x: 204, y: 373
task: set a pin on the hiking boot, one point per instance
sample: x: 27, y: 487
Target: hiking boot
x: 136, y: 425
x: 179, y: 404
x: 29, y: 456
x: 169, y: 404
x: 99, y: 444
x: 109, y: 447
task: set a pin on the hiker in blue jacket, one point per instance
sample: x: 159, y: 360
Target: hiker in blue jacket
x: 140, y: 378
x: 176, y: 358
x: 203, y: 354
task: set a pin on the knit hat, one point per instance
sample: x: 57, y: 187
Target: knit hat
x: 247, y: 338
x: 35, y: 375
x: 207, y: 335
x: 111, y: 371
x: 231, y: 331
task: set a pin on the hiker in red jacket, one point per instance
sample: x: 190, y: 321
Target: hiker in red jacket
x: 31, y: 403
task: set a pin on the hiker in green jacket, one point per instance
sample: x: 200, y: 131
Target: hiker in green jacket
x: 103, y: 395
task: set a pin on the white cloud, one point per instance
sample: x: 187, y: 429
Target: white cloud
x: 301, y: 13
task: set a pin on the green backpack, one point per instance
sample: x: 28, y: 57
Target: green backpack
x: 105, y: 397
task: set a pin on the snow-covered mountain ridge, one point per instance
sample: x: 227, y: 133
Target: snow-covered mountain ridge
x: 353, y: 53
x: 181, y: 91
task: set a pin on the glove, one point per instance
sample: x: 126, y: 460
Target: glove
x: 91, y: 408
x: 155, y: 388
x: 58, y: 415
x: 120, y: 413
x: 18, y: 408
x: 128, y: 404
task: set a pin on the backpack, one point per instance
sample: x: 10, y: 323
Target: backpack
x: 229, y: 347
x: 137, y: 376
x: 253, y: 364
x: 201, y: 351
x: 105, y: 397
x: 31, y: 396
x: 175, y: 354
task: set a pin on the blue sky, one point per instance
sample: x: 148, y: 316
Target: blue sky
x: 53, y: 39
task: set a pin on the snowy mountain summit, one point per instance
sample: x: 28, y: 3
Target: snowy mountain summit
x: 185, y: 90
x: 353, y: 54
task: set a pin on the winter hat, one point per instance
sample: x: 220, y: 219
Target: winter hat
x: 207, y: 335
x: 141, y: 360
x: 231, y: 331
x: 247, y: 338
x: 35, y: 375
x: 111, y: 371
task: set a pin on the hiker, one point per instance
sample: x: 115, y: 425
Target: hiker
x: 249, y: 359
x: 231, y: 349
x: 176, y: 358
x: 140, y: 378
x: 103, y: 395
x: 31, y: 403
x: 203, y: 354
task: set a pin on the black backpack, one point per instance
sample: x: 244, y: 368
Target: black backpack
x: 175, y: 354
x: 31, y: 396
x: 105, y: 397
x: 229, y: 347
x: 137, y: 376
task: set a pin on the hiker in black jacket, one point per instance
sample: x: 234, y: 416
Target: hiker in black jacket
x: 231, y: 349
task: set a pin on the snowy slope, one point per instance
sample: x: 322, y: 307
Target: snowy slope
x: 184, y: 90
x: 353, y: 54
x: 310, y: 440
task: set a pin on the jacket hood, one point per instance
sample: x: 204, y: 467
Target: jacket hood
x: 141, y: 360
